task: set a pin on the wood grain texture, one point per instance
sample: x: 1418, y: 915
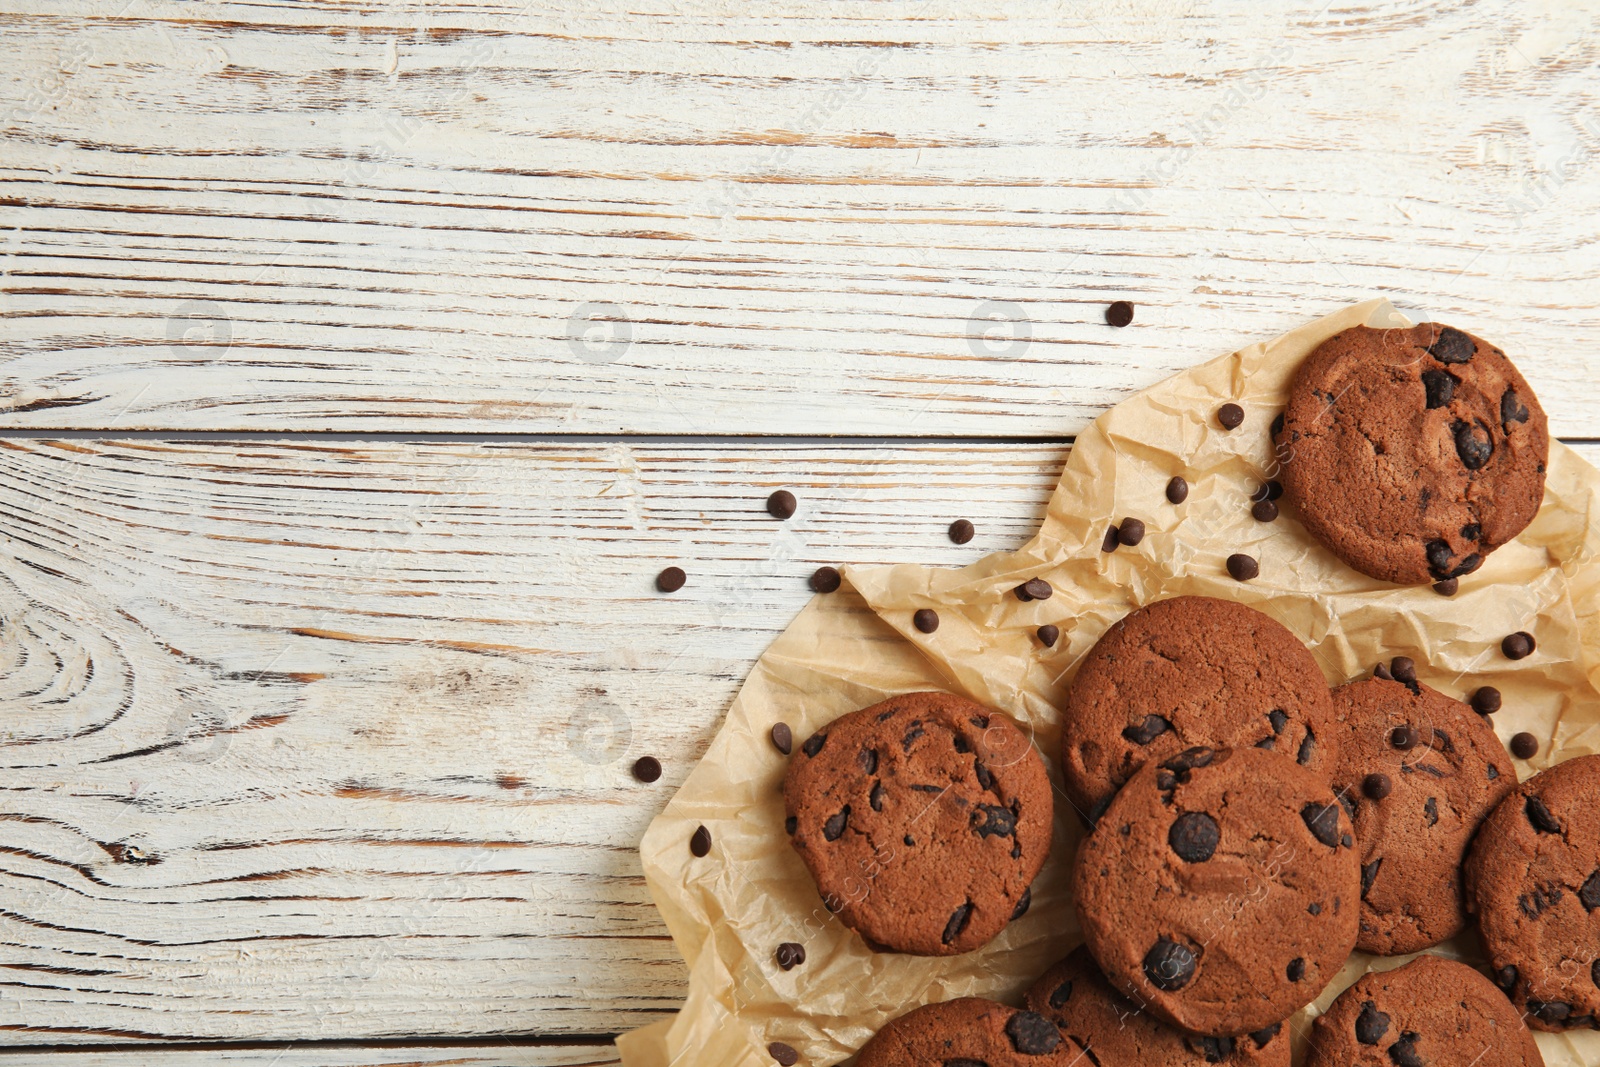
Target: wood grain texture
x: 488, y: 1055
x: 310, y: 741
x: 712, y: 218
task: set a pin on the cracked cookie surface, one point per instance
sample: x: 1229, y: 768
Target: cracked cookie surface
x: 1189, y: 671
x: 1436, y: 793
x: 1412, y: 454
x: 971, y: 1032
x: 923, y: 820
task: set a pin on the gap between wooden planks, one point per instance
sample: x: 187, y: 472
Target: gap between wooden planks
x: 398, y: 1054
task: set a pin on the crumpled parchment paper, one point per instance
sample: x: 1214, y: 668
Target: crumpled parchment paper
x: 729, y: 911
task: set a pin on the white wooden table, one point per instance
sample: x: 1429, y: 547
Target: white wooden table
x: 361, y: 364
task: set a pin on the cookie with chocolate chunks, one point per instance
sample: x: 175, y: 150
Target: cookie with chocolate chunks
x: 1220, y: 889
x: 1432, y: 1012
x: 1113, y: 1030
x: 971, y: 1032
x: 1412, y: 454
x: 923, y: 820
x: 1190, y: 671
x: 1533, y: 880
x: 1413, y: 835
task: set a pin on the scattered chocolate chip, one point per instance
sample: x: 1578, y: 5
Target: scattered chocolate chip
x: 647, y: 768
x: 671, y: 579
x: 1448, y: 587
x: 1403, y: 737
x: 925, y: 620
x: 1194, y: 837
x: 1452, y: 346
x: 1371, y: 1024
x: 1152, y: 727
x: 1519, y: 645
x: 833, y: 829
x: 1404, y: 669
x: 781, y: 504
x: 782, y: 737
x: 957, y: 923
x: 1048, y: 634
x: 1486, y: 700
x: 1022, y: 905
x: 1473, y: 445
x: 1036, y: 588
x: 1177, y: 490
x: 1589, y: 893
x: 1369, y: 874
x: 961, y: 531
x: 1323, y: 822
x: 1265, y: 1034
x: 1229, y: 416
x: 1109, y: 542
x: 1061, y: 994
x: 791, y: 955
x: 1032, y: 1034
x: 1404, y: 1052
x: 1524, y: 745
x: 1119, y: 314
x: 1169, y: 965
x: 1440, y: 386
x: 1540, y: 816
x: 1296, y: 969
x: 1264, y: 511
x: 700, y: 842
x: 1243, y: 567
x: 1382, y: 671
x: 782, y: 1054
x: 813, y: 744
x: 1376, y: 786
x: 1130, y: 532
x: 825, y: 580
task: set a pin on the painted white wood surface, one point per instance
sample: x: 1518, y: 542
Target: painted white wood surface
x: 401, y: 216
x: 488, y: 1055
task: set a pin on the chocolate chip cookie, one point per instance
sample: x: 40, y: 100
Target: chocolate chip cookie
x: 1412, y: 454
x: 1418, y: 772
x: 1533, y: 880
x: 970, y: 1032
x: 1190, y: 671
x: 1113, y: 1030
x: 1220, y: 889
x: 1432, y: 1012
x: 923, y: 820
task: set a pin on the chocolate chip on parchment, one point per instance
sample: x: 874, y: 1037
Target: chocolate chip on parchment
x: 925, y: 620
x: 1403, y: 737
x: 1036, y: 588
x: 1323, y: 822
x: 1169, y: 965
x: 1048, y: 634
x: 1524, y: 746
x: 1486, y: 700
x: 1382, y: 671
x: 1144, y: 733
x: 1109, y: 542
x: 1119, y: 313
x: 825, y: 580
x: 647, y: 768
x: 957, y: 923
x: 1539, y: 816
x: 1376, y: 786
x: 1440, y: 386
x: 961, y: 531
x: 1229, y: 416
x: 1371, y: 1024
x: 1448, y: 587
x: 700, y: 842
x: 671, y: 579
x: 1296, y: 969
x: 1243, y: 568
x: 791, y: 955
x: 1032, y: 1034
x: 1264, y: 511
x: 1519, y: 645
x: 782, y: 737
x: 1130, y: 532
x: 1404, y: 669
x: 781, y: 504
x: 1177, y: 490
x: 1474, y: 446
x: 782, y: 1054
x: 1452, y: 346
x: 1194, y: 837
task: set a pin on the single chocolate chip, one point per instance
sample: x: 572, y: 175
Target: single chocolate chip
x: 1371, y: 1024
x: 1519, y: 645
x: 1037, y: 589
x: 671, y: 579
x: 1169, y: 965
x: 1296, y: 969
x: 1404, y: 1052
x: 781, y: 505
x: 1505, y: 977
x: 791, y: 955
x: 1473, y: 445
x: 1376, y: 786
x: 1511, y: 409
x: 1152, y: 727
x: 957, y: 923
x: 1404, y: 669
x: 1431, y: 810
x: 647, y: 768
x: 1382, y: 671
x: 868, y: 758
x: 1369, y: 874
x: 1452, y: 346
x: 1022, y: 905
x: 1109, y: 542
x: 1243, y: 567
x: 1194, y: 837
x: 1119, y: 314
x: 1263, y: 1036
x: 825, y: 580
x: 1217, y: 1049
x: 1279, y: 719
x: 1403, y: 737
x: 813, y: 744
x: 961, y: 531
x: 1177, y: 490
x: 1440, y: 386
x: 790, y: 824
x: 1448, y: 587
x: 1048, y: 634
x: 926, y: 620
x: 1589, y: 894
x: 784, y: 1055
x: 1524, y: 746
x: 1540, y: 816
x: 1032, y: 1034
x: 1229, y: 416
x: 782, y: 737
x: 1130, y: 532
x: 1486, y: 700
x: 1061, y: 994
x: 833, y: 829
x: 1323, y: 822
x: 1264, y: 511
x: 700, y: 841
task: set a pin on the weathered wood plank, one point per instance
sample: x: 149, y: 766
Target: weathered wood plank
x: 736, y: 218
x: 488, y: 1055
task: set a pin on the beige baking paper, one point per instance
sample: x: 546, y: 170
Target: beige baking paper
x: 729, y: 911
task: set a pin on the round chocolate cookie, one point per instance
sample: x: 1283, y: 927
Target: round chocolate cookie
x: 1412, y: 454
x: 923, y: 820
x: 1076, y: 997
x: 1415, y: 808
x: 970, y: 1032
x: 1183, y: 672
x: 1220, y: 889
x: 1533, y: 880
x: 1432, y: 1012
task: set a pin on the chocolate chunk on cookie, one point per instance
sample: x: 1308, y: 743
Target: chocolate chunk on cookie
x: 1432, y: 1012
x: 968, y: 1033
x: 1533, y: 880
x: 1231, y: 943
x: 1415, y: 809
x: 1077, y: 998
x: 1184, y: 672
x: 923, y: 820
x: 1414, y: 453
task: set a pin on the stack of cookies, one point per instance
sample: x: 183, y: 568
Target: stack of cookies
x: 1248, y: 828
